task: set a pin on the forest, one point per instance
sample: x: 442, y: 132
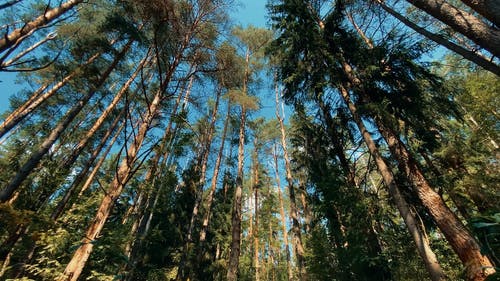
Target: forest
x: 161, y: 140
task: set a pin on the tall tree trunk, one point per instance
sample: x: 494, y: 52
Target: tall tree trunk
x: 294, y: 212
x: 17, y: 35
x: 463, y: 243
x: 282, y: 215
x: 213, y: 184
x: 35, y: 158
x: 463, y: 22
x: 255, y: 232
x: 490, y: 9
x: 467, y: 54
x: 423, y: 248
x: 81, y: 255
x: 234, y: 255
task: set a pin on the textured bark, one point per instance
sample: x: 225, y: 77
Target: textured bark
x: 81, y: 255
x: 463, y: 243
x: 490, y: 9
x: 423, y: 248
x: 35, y: 158
x: 465, y: 53
x: 17, y: 35
x: 462, y: 22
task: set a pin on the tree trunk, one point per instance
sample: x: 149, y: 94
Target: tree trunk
x: 282, y: 215
x: 81, y: 175
x: 490, y: 9
x: 463, y: 243
x: 35, y: 158
x: 294, y: 212
x: 423, y: 248
x: 76, y: 151
x: 213, y: 185
x: 234, y: 255
x: 37, y: 98
x: 255, y: 232
x: 17, y: 35
x: 463, y: 22
x: 9, y: 3
x: 81, y: 255
x: 467, y: 54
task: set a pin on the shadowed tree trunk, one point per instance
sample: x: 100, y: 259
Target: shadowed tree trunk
x: 478, y: 266
x: 423, y: 248
x: 467, y: 54
x: 490, y: 9
x: 462, y: 22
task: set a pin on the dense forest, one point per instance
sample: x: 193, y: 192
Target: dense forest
x: 158, y: 140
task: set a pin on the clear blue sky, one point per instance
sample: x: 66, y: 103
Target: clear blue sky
x: 245, y: 12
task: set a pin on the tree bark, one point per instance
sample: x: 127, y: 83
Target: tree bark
x: 294, y: 212
x: 17, y: 35
x: 462, y: 22
x: 35, y: 158
x: 56, y: 213
x: 467, y: 54
x: 234, y: 255
x: 213, y: 184
x: 255, y: 233
x: 463, y: 243
x: 81, y: 255
x: 37, y: 98
x: 423, y: 248
x: 283, y: 217
x: 490, y: 9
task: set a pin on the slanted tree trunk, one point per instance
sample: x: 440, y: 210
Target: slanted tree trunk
x: 465, y: 53
x: 478, y: 266
x: 81, y: 255
x: 56, y: 213
x: 9, y: 3
x: 462, y: 22
x: 37, y: 98
x: 17, y: 35
x: 431, y: 263
x: 35, y: 158
x: 490, y: 9
x: 76, y: 151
